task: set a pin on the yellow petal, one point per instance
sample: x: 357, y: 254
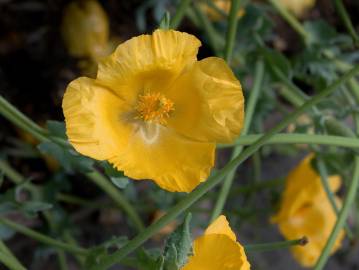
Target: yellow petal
x: 217, y: 252
x: 148, y: 62
x: 91, y: 115
x: 221, y: 226
x: 209, y: 102
x: 157, y: 153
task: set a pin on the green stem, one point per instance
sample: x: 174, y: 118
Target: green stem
x: 341, y: 221
x: 275, y: 245
x: 5, y: 250
x: 62, y: 259
x: 67, y: 198
x: 42, y: 238
x: 16, y: 117
x: 227, y: 183
x: 215, y: 179
x: 9, y: 262
x: 331, y: 196
x: 180, y: 12
x: 10, y: 173
x: 208, y: 28
x: 297, y: 138
x: 16, y: 114
x: 232, y: 30
x: 291, y: 20
x: 118, y: 198
x: 346, y: 20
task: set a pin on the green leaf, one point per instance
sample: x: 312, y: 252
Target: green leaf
x: 70, y: 160
x: 32, y: 207
x: 319, y: 32
x: 117, y: 177
x: 56, y: 128
x: 275, y: 59
x: 178, y: 246
x: 120, y: 182
x: 149, y: 261
x: 165, y: 21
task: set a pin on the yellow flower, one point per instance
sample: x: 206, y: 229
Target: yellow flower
x: 154, y: 111
x: 306, y: 211
x: 223, y: 5
x: 298, y: 7
x: 85, y: 29
x: 218, y: 249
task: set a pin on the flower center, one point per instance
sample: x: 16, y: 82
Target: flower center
x: 154, y: 107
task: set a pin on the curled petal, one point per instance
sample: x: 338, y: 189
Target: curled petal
x: 210, y: 102
x: 221, y: 226
x: 91, y: 116
x: 217, y: 252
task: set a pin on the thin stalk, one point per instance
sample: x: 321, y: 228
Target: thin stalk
x: 180, y: 12
x: 227, y: 183
x: 10, y: 173
x: 297, y: 138
x: 67, y: 198
x: 4, y: 249
x: 275, y: 245
x: 232, y: 30
x: 331, y: 196
x: 41, y: 237
x: 62, y: 259
x: 208, y: 28
x: 343, y: 215
x: 346, y: 20
x: 15, y: 114
x: 344, y: 212
x: 214, y: 180
x: 291, y: 20
x: 118, y: 198
x: 9, y: 262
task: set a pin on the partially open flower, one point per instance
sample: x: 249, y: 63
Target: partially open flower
x: 85, y: 29
x: 298, y: 7
x: 218, y: 249
x: 223, y: 7
x: 154, y: 111
x: 306, y: 211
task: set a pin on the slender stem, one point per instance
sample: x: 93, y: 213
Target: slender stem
x: 297, y: 138
x: 180, y: 12
x: 9, y: 262
x: 41, y: 237
x: 62, y: 259
x: 343, y: 215
x: 208, y: 28
x: 331, y: 196
x: 215, y: 179
x: 275, y: 245
x: 291, y: 20
x: 71, y: 199
x: 118, y: 198
x: 232, y: 30
x: 5, y: 250
x: 16, y: 114
x: 346, y: 20
x: 10, y: 173
x: 227, y: 183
